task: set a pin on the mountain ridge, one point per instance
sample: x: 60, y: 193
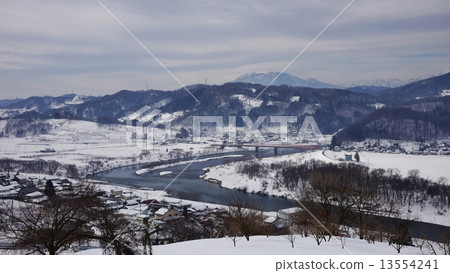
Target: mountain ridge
x: 283, y: 79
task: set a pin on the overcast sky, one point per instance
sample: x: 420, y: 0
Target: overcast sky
x: 51, y: 47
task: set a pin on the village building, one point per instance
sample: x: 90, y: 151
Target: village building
x: 167, y: 214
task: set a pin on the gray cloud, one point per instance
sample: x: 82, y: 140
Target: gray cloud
x: 52, y: 47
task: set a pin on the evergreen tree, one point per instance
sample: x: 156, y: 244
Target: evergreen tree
x: 357, y: 157
x: 49, y: 189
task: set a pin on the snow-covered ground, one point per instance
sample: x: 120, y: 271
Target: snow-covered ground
x: 229, y: 178
x: 429, y: 166
x: 274, y: 245
x: 279, y: 245
x: 79, y: 142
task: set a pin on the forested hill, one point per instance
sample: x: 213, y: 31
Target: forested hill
x: 426, y: 120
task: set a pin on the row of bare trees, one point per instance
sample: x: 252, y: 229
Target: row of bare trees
x: 346, y: 196
x: 351, y: 195
x: 50, y: 167
x: 387, y: 185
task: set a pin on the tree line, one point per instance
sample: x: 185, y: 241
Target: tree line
x: 50, y: 167
x: 338, y: 196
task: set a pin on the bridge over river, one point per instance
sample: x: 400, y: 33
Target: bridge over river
x: 275, y: 146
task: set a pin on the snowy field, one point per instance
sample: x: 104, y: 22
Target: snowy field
x: 279, y: 245
x: 79, y: 142
x: 274, y: 245
x: 430, y: 166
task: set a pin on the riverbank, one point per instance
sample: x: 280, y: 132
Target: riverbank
x: 171, y: 163
x: 187, y: 182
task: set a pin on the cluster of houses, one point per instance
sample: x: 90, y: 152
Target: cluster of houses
x: 442, y: 148
x: 150, y: 209
x: 158, y: 214
x: 28, y: 188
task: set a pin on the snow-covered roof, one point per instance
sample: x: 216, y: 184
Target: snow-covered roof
x: 270, y: 219
x: 8, y: 193
x: 40, y: 199
x: 143, y: 216
x: 132, y: 202
x: 34, y: 194
x: 289, y: 210
x: 162, y: 211
x: 5, y: 188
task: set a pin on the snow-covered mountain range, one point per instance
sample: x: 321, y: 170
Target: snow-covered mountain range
x: 282, y: 79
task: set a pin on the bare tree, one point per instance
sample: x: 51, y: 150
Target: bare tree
x: 50, y: 228
x: 328, y: 199
x: 114, y: 230
x: 244, y: 217
x: 292, y: 235
x: 398, y: 234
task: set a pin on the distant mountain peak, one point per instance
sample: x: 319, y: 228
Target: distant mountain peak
x: 386, y: 83
x: 283, y: 79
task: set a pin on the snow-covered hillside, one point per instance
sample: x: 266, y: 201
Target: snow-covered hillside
x: 279, y: 245
x: 274, y: 245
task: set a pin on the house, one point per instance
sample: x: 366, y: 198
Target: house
x: 131, y: 202
x: 113, y: 204
x: 22, y: 179
x: 129, y: 195
x: 289, y: 214
x: 167, y: 214
x: 281, y: 223
x: 142, y: 218
x: 9, y: 191
x: 270, y: 220
x: 4, y: 176
x: 36, y: 197
x: 152, y: 203
x: 116, y: 193
x: 348, y: 157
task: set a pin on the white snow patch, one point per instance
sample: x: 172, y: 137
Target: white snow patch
x: 445, y: 92
x: 248, y: 102
x: 295, y: 99
x: 378, y: 105
x: 169, y: 117
x: 78, y: 99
